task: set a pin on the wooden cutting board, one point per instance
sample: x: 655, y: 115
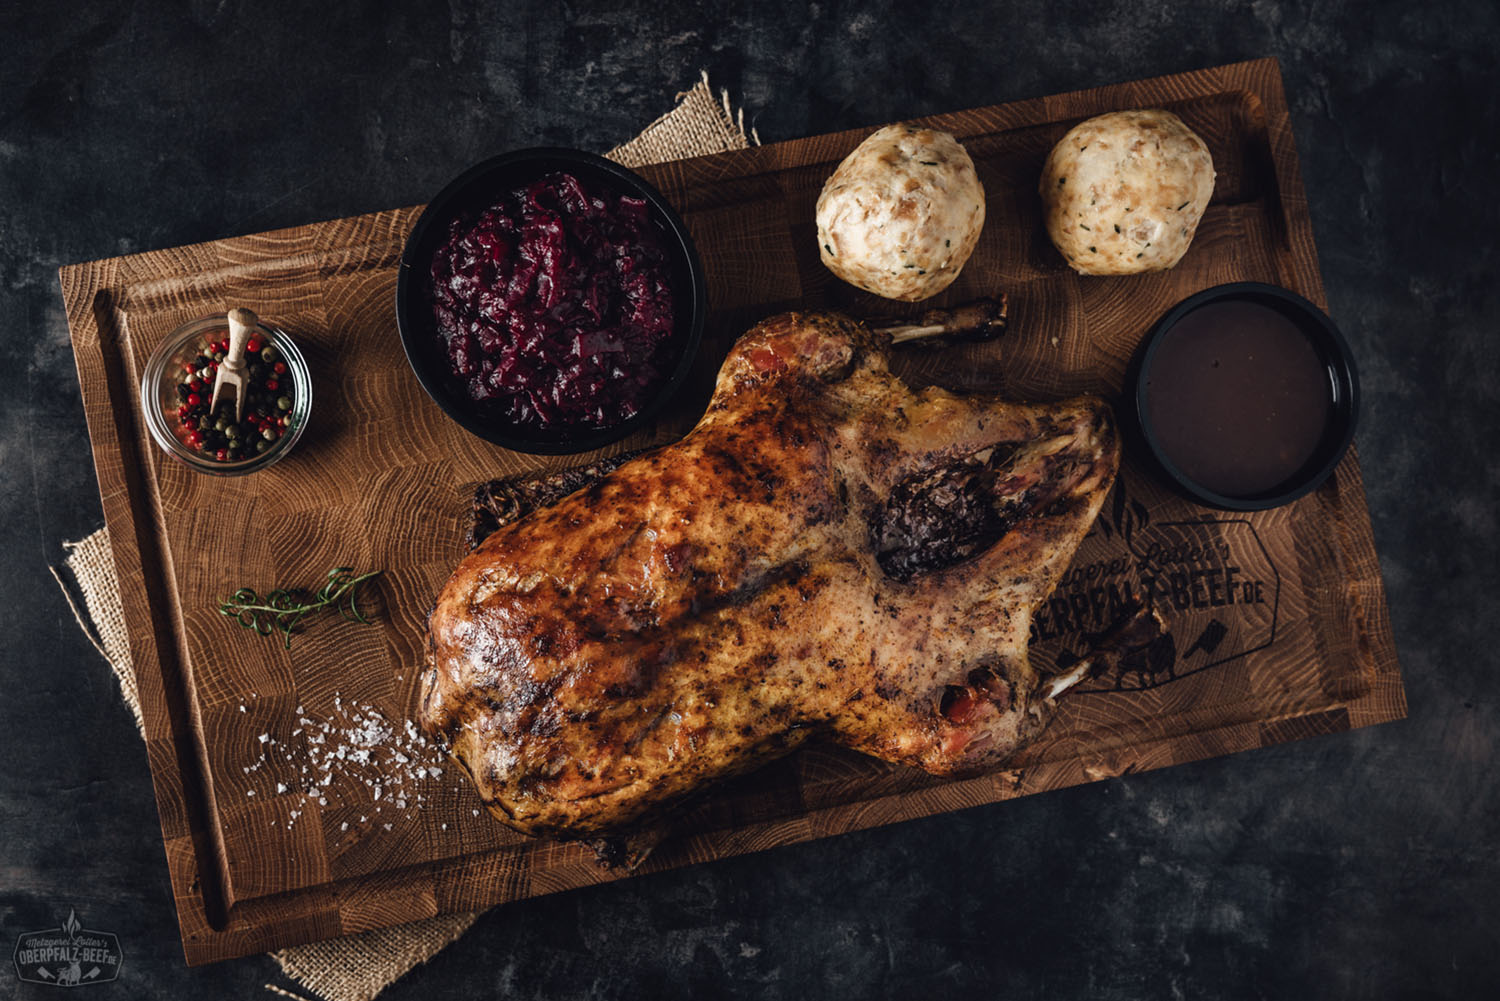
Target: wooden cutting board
x: 1279, y: 624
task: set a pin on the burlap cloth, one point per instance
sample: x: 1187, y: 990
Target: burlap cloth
x: 359, y: 967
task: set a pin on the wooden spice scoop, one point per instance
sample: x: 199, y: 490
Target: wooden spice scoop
x: 233, y: 372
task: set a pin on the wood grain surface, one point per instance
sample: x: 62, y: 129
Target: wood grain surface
x: 1279, y: 625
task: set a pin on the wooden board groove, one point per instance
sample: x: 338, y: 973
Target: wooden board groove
x: 381, y: 480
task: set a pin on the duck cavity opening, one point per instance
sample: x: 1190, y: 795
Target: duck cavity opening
x: 948, y: 514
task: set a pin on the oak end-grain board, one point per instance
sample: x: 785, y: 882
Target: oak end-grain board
x: 1279, y: 624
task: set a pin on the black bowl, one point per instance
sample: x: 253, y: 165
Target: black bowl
x: 1333, y: 354
x: 482, y: 186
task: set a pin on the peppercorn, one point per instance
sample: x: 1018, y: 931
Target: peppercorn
x: 265, y: 405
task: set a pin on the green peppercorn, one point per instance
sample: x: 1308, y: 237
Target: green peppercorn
x: 268, y: 354
x: 284, y: 403
x: 232, y: 431
x: 269, y: 434
x: 261, y: 446
x: 221, y: 424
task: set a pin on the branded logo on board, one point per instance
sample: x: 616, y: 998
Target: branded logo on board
x: 68, y: 956
x: 1211, y: 576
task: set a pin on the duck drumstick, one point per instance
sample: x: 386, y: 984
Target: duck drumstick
x: 976, y: 320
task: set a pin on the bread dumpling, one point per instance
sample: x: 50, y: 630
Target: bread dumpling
x: 1124, y: 192
x: 901, y: 214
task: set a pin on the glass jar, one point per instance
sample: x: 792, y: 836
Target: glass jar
x: 175, y: 362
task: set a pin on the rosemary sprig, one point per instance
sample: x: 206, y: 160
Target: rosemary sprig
x: 284, y: 608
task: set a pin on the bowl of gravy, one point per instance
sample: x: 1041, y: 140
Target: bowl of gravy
x: 1246, y: 396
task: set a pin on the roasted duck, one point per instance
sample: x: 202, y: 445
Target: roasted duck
x: 827, y: 555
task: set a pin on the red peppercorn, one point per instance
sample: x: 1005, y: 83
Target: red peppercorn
x: 272, y: 384
x: 194, y: 399
x: 189, y: 367
x: 253, y: 346
x: 222, y: 454
x: 279, y: 368
x: 195, y: 437
x: 196, y: 385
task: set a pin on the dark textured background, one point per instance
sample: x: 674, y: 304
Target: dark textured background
x: 1365, y: 865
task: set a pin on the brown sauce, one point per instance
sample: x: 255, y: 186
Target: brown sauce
x: 1238, y: 397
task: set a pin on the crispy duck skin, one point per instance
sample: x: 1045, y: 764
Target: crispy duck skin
x: 828, y: 554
